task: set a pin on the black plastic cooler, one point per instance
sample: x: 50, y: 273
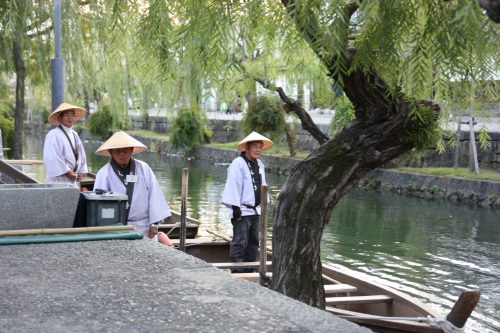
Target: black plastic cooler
x: 106, y: 208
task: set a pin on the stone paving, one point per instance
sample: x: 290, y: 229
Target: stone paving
x: 140, y: 286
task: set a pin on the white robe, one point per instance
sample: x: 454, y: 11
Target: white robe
x: 58, y: 156
x: 148, y: 202
x: 239, y: 187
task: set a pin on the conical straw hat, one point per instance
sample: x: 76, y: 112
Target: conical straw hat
x: 54, y: 116
x: 120, y: 140
x: 254, y: 136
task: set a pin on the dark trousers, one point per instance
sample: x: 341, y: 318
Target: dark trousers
x: 245, y: 243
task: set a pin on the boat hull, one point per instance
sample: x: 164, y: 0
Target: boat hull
x: 396, y: 304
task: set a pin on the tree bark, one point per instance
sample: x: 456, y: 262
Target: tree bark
x: 17, y: 53
x: 315, y: 186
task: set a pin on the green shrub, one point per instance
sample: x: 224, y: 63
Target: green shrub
x: 104, y: 121
x: 101, y: 121
x: 265, y: 115
x: 188, y: 129
x: 7, y: 126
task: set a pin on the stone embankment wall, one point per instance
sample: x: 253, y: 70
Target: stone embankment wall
x: 488, y: 159
x: 475, y: 192
x: 228, y: 131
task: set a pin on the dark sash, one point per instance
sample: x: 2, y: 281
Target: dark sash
x: 256, y: 180
x: 75, y: 151
x: 122, y: 175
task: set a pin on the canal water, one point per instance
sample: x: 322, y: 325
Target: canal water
x: 428, y: 249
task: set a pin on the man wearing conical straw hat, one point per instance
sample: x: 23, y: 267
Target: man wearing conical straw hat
x: 241, y: 195
x: 63, y: 153
x: 123, y: 174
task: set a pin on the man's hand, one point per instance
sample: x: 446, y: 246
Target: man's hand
x: 71, y: 175
x: 80, y: 176
x: 152, y: 231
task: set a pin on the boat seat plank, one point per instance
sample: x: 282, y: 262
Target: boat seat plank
x: 358, y: 299
x: 343, y: 312
x: 232, y: 265
x: 339, y: 288
x: 252, y: 277
x: 378, y: 321
x: 329, y: 279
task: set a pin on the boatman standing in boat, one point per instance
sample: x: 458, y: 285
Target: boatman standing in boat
x: 123, y: 174
x: 63, y: 152
x: 245, y: 176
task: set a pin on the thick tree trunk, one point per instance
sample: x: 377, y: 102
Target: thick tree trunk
x: 380, y: 133
x: 19, y: 108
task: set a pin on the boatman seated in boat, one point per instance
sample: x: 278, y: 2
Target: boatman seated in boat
x: 126, y: 175
x: 241, y: 195
x: 63, y: 153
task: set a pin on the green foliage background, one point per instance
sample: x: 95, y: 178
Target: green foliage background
x: 265, y: 115
x: 104, y: 121
x: 7, y: 126
x: 189, y: 129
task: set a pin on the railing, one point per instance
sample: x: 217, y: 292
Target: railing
x: 16, y: 176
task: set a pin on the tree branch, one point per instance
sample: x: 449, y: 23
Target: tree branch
x: 292, y: 105
x: 492, y: 8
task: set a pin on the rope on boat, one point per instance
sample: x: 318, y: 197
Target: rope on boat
x: 449, y: 327
x: 177, y: 224
x: 443, y: 323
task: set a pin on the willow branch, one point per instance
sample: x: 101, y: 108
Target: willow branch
x: 309, y: 29
x: 292, y: 105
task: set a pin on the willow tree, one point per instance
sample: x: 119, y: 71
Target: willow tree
x: 393, y: 60
x: 24, y: 31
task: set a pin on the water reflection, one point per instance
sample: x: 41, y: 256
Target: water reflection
x: 429, y: 249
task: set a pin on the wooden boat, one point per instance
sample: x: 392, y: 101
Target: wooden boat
x: 348, y: 294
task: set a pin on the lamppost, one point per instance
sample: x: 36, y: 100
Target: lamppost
x: 57, y: 64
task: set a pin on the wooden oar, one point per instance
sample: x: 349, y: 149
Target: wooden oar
x: 22, y: 232
x: 224, y: 237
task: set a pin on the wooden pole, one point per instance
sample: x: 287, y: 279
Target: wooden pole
x: 463, y: 308
x: 472, y: 137
x: 184, y: 194
x: 23, y: 232
x: 263, y: 235
x: 24, y: 162
x: 1, y: 145
x: 456, y: 160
